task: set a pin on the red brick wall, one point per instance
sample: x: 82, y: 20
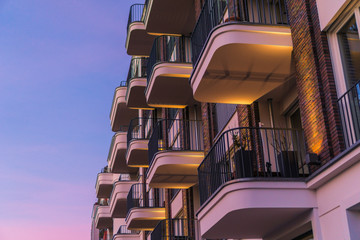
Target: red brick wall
x: 315, y: 81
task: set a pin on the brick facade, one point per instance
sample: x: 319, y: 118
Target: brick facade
x: 315, y: 81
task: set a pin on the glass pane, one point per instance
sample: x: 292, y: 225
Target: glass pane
x: 350, y: 51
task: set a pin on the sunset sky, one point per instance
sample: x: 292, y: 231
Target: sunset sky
x: 60, y: 62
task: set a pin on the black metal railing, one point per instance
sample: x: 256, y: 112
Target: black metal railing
x: 252, y: 153
x: 140, y: 198
x: 139, y: 129
x: 349, y: 106
x: 135, y: 14
x: 175, y: 135
x: 169, y: 49
x: 174, y: 229
x: 124, y: 231
x: 215, y: 12
x: 137, y: 68
x: 123, y: 84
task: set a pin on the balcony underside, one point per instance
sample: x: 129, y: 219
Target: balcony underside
x: 103, y: 218
x: 144, y: 218
x: 170, y: 17
x: 174, y: 169
x: 118, y: 200
x: 138, y: 42
x: 120, y: 113
x: 241, y: 63
x: 137, y: 153
x: 104, y: 185
x: 136, y: 94
x: 169, y: 86
x: 254, y: 209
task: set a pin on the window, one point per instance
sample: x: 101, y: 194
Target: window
x: 349, y: 44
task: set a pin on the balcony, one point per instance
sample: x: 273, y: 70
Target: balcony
x: 145, y: 208
x: 241, y: 50
x: 120, y: 114
x: 136, y: 82
x: 174, y: 229
x: 117, y: 152
x: 175, y: 152
x: 169, y: 17
x: 137, y: 142
x: 103, y: 218
x: 138, y: 41
x: 124, y: 234
x: 168, y: 71
x: 119, y: 194
x: 104, y: 184
x: 252, y: 182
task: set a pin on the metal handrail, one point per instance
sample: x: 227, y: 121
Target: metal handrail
x: 252, y: 153
x: 138, y: 197
x: 124, y: 231
x: 169, y: 49
x: 349, y: 107
x: 175, y: 135
x: 135, y: 14
x: 174, y: 229
x: 216, y: 12
x: 140, y: 129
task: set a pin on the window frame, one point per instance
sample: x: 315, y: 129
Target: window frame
x: 334, y: 46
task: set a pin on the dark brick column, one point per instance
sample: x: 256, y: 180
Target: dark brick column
x: 315, y: 81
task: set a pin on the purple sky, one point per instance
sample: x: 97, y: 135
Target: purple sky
x: 60, y: 62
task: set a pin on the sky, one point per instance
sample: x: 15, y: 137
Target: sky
x: 60, y: 62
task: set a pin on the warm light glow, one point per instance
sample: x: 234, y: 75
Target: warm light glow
x: 168, y: 106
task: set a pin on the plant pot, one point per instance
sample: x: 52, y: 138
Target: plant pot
x: 288, y: 165
x: 244, y: 162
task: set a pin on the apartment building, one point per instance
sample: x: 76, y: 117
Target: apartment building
x: 239, y: 119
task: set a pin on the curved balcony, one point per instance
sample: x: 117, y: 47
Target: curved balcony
x: 104, y: 184
x: 175, y: 152
x: 124, y: 234
x: 136, y: 82
x: 174, y: 229
x: 252, y: 182
x: 145, y: 208
x: 138, y: 41
x: 168, y: 71
x: 120, y: 114
x: 241, y: 50
x: 117, y: 152
x: 169, y: 17
x: 102, y: 217
x: 118, y: 198
x: 137, y: 142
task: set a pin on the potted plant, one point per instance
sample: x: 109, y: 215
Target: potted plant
x: 244, y: 157
x: 286, y: 157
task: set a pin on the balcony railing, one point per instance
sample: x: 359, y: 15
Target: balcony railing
x: 215, y: 12
x: 137, y: 68
x: 124, y: 231
x: 175, y: 135
x: 169, y: 49
x: 174, y: 229
x: 349, y: 106
x: 265, y: 153
x: 138, y: 197
x: 140, y: 129
x: 135, y: 15
x: 123, y: 84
